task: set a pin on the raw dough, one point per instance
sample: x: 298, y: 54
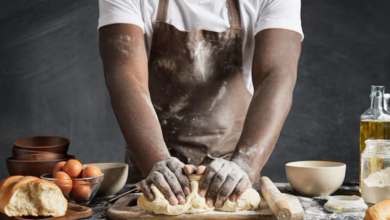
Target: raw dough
x: 249, y: 200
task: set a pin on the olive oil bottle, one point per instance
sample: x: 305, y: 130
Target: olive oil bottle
x: 373, y: 129
x: 375, y: 122
x: 386, y: 103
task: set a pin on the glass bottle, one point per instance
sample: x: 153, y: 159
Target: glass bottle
x: 386, y: 99
x: 375, y: 170
x: 375, y: 122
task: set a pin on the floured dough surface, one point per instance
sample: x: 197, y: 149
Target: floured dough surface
x: 249, y: 200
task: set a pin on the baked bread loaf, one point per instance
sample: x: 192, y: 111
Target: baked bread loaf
x: 28, y: 195
x: 379, y: 211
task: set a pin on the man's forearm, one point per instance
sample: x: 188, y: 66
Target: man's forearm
x: 139, y: 123
x: 122, y: 49
x: 274, y: 73
x: 270, y: 105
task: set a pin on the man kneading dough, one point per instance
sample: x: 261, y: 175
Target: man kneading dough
x: 204, y: 83
x: 249, y: 200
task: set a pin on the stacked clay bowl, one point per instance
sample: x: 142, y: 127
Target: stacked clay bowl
x: 37, y: 155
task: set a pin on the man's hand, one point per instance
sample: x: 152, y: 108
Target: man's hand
x: 221, y: 179
x: 169, y: 176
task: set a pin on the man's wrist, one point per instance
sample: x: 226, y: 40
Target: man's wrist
x: 164, y: 157
x: 156, y: 158
x: 245, y: 163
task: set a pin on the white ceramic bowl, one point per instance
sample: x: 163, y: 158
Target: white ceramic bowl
x: 115, y: 177
x: 315, y: 177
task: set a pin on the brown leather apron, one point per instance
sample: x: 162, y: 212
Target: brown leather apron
x: 197, y: 89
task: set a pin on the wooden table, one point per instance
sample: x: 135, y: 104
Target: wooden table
x: 313, y: 206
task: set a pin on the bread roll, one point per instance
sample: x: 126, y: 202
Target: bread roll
x: 30, y: 195
x: 379, y: 211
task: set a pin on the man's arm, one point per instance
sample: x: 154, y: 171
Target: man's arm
x: 274, y: 73
x: 122, y: 50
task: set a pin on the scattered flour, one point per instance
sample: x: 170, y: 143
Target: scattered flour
x: 314, y: 210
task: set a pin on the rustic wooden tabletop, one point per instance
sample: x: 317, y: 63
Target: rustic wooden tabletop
x: 314, y: 207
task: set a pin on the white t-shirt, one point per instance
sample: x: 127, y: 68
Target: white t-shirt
x: 256, y: 15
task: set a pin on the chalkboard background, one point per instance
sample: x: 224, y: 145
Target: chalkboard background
x: 51, y: 80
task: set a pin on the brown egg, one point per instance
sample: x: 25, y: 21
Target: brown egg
x: 91, y: 170
x: 73, y: 168
x: 64, y: 182
x: 80, y: 193
x: 58, y: 167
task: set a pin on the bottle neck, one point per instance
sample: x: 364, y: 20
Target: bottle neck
x: 377, y: 101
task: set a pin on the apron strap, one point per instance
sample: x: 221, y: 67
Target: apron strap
x: 162, y: 10
x: 234, y: 13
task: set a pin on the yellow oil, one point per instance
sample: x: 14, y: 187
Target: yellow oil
x: 372, y: 129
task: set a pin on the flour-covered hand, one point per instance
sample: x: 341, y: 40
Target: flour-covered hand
x: 222, y: 179
x: 169, y: 176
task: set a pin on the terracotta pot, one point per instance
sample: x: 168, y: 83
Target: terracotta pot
x: 31, y: 167
x: 42, y: 157
x: 43, y: 143
x: 16, y: 152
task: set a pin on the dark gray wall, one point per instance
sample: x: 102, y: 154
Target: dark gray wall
x: 51, y: 80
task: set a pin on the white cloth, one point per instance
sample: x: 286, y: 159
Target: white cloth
x: 256, y: 15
